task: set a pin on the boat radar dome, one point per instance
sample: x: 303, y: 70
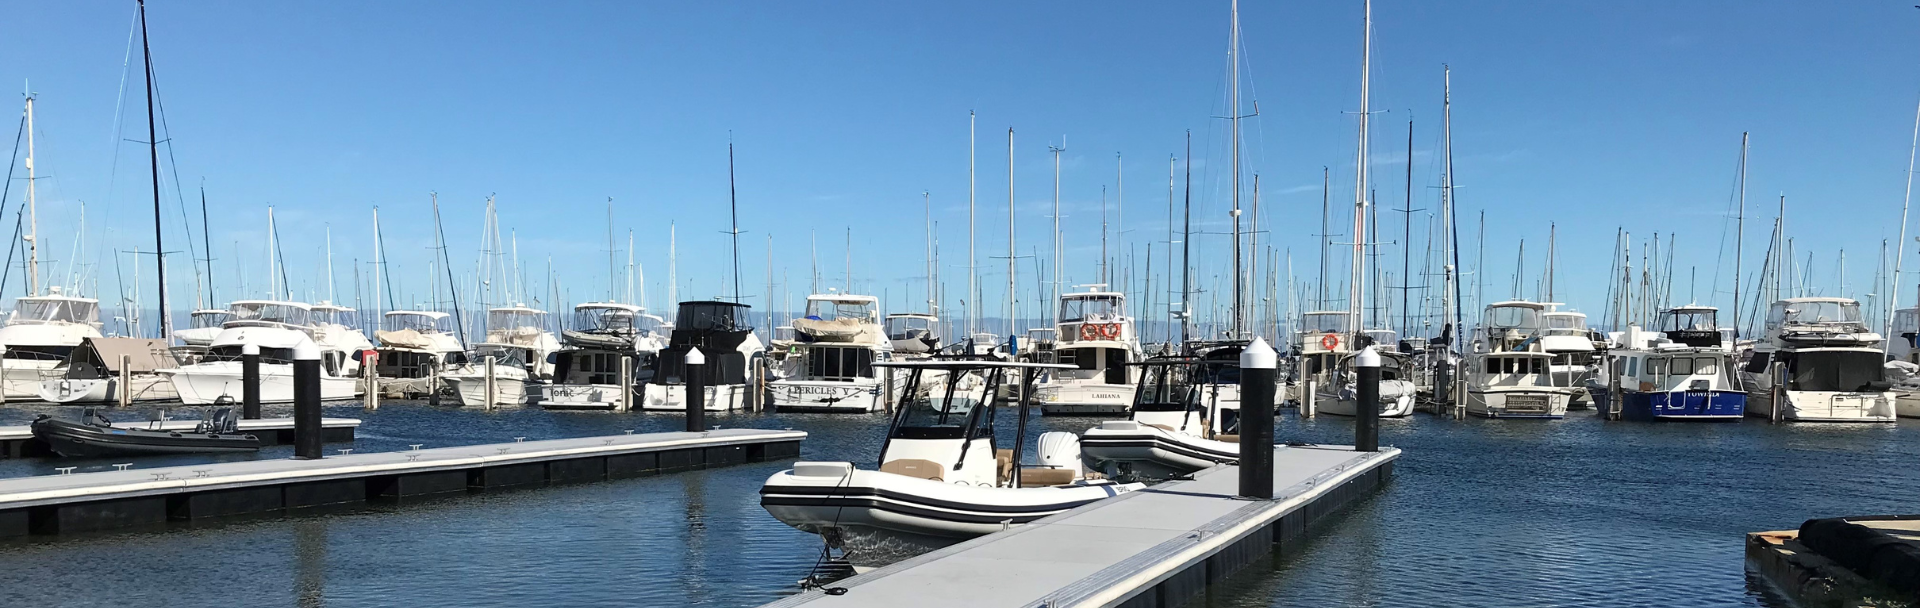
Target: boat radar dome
x: 1257, y: 355
x: 694, y: 357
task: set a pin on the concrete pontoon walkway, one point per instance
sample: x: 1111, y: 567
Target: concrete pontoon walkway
x: 1155, y: 547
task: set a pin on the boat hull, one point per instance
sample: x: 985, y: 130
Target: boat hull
x: 1084, y: 399
x: 21, y: 379
x: 472, y: 390
x: 1396, y: 401
x: 1144, y: 451
x: 673, y: 397
x: 85, y: 441
x: 837, y: 501
x: 1523, y: 403
x: 581, y: 397
x: 821, y: 396
x: 145, y: 387
x: 206, y: 383
x: 1722, y: 405
x: 1824, y: 406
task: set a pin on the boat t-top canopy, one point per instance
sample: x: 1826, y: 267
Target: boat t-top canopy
x: 913, y: 315
x: 969, y: 364
x: 422, y: 321
x: 842, y: 297
x: 55, y: 308
x: 271, y: 311
x: 604, y: 306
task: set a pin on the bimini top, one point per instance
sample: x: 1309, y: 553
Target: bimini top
x: 912, y: 315
x: 842, y: 297
x: 1698, y: 308
x: 257, y: 303
x: 330, y: 307
x: 1519, y: 304
x: 970, y: 364
x: 518, y: 308
x: 1085, y: 295
x: 1817, y: 299
x: 606, y: 306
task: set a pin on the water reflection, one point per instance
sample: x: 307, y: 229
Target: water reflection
x: 310, y: 562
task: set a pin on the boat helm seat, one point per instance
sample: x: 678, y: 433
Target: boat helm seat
x: 1003, y: 466
x: 915, y: 468
x: 1227, y: 438
x: 1042, y: 477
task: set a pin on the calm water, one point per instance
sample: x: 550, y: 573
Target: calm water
x: 1481, y: 513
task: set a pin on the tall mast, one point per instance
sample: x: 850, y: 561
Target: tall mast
x: 206, y: 242
x: 1056, y: 229
x: 1406, y: 243
x: 153, y: 156
x: 1120, y: 209
x: 1011, y: 298
x: 1355, y: 285
x: 33, y: 209
x: 1900, y: 252
x: 329, y: 263
x: 1186, y: 249
x: 1326, y: 190
x: 378, y: 308
x: 1105, y: 270
x: 1740, y: 229
x: 733, y: 203
x: 926, y: 199
x: 1553, y: 233
x: 1233, y: 61
x: 1452, y: 226
x: 1170, y: 171
x: 273, y: 260
x: 630, y: 299
x: 973, y: 272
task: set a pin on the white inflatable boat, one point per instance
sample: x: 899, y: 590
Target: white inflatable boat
x: 1177, y: 426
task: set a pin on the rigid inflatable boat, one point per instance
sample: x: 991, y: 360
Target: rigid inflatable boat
x: 1176, y: 426
x: 94, y: 436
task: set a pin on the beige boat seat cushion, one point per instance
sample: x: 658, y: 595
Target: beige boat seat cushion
x: 915, y: 468
x: 1227, y: 438
x: 1033, y: 478
x: 1004, y: 469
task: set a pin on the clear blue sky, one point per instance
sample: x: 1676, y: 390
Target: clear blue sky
x: 1594, y: 116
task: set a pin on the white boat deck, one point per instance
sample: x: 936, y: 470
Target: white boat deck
x: 1111, y: 552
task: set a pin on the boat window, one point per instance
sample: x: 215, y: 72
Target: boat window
x: 834, y: 310
x: 21, y: 352
x: 1845, y: 311
x: 1682, y: 366
x: 232, y: 352
x: 1566, y: 321
x: 711, y: 316
x: 1845, y: 370
x: 1688, y: 320
x: 501, y: 355
x: 1704, y: 366
x: 909, y: 328
x: 1324, y: 322
x: 1906, y: 321
x: 1758, y: 364
x: 1080, y: 308
x: 514, y: 318
x: 204, y: 319
x: 334, y: 315
x: 417, y: 321
x: 1493, y: 365
x: 599, y: 320
x: 1656, y: 366
x: 1166, y: 388
x: 55, y: 310
x: 1513, y: 317
x: 270, y: 312
x: 839, y: 363
x: 1633, y: 366
x: 941, y: 404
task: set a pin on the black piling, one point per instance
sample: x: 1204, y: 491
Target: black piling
x: 1257, y: 375
x: 306, y: 401
x: 695, y: 375
x: 249, y: 382
x: 1366, y: 411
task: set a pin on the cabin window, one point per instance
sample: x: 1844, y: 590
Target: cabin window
x: 1758, y: 364
x: 39, y: 353
x: 1493, y: 365
x: 1844, y: 371
x: 1656, y: 366
x: 1633, y: 366
x: 835, y: 363
x: 1682, y: 366
x: 1704, y: 366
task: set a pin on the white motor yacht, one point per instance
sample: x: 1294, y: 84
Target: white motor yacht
x: 1097, y: 338
x: 1564, y: 335
x: 40, y: 334
x: 203, y: 326
x: 96, y: 369
x: 416, y: 347
x: 276, y: 328
x: 1173, y: 430
x: 840, y: 341
x: 1339, y: 397
x: 944, y: 475
x: 525, y: 328
x: 604, y: 336
x: 508, y: 384
x: 1832, y: 366
x: 1324, y: 337
x: 913, y: 334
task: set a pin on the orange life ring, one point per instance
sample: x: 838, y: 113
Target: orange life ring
x: 1110, y: 331
x: 1089, y: 331
x: 1329, y: 341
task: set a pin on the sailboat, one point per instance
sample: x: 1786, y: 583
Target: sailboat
x: 44, y: 328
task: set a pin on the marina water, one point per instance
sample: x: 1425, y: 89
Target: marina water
x: 1480, y: 513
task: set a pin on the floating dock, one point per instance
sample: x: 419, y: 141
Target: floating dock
x: 87, y: 502
x: 1842, y: 561
x: 1158, y: 547
x: 18, y: 442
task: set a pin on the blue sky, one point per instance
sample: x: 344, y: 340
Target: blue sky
x: 1591, y: 116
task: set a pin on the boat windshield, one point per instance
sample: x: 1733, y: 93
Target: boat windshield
x: 905, y: 328
x: 1566, y: 321
x: 203, y: 319
x: 502, y: 354
x: 1082, y: 307
x: 834, y: 310
x: 711, y: 316
x: 1324, y: 322
x: 270, y: 312
x: 1689, y: 320
x: 418, y: 321
x: 515, y: 318
x: 55, y: 310
x: 1906, y: 321
x: 1506, y: 317
x: 1383, y: 336
x: 1842, y: 370
x: 941, y: 404
x: 336, y: 316
x: 603, y: 320
x: 1167, y: 388
x: 1846, y: 311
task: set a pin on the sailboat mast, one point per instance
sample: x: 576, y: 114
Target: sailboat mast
x: 1233, y: 115
x: 330, y: 263
x: 1011, y: 297
x: 733, y: 203
x: 973, y: 272
x: 206, y: 244
x: 1355, y: 284
x: 926, y: 199
x: 1452, y: 227
x: 153, y: 156
x: 1740, y: 231
x: 1900, y: 252
x: 1056, y: 229
x: 33, y: 208
x: 377, y: 263
x: 1406, y: 243
x: 1186, y: 249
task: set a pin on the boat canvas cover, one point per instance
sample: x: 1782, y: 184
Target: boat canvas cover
x: 102, y: 355
x: 405, y: 338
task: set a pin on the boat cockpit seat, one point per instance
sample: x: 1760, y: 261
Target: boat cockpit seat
x: 915, y: 468
x: 1042, y: 477
x: 1227, y: 438
x: 1003, y: 466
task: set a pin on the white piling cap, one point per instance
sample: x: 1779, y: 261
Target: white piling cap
x: 1367, y: 358
x: 306, y: 351
x: 694, y: 357
x: 249, y: 349
x: 1257, y: 355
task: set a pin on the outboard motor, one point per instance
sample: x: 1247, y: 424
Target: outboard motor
x: 1061, y: 450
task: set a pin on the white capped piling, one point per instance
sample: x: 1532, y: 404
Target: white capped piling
x: 694, y: 375
x: 487, y: 383
x: 1258, y: 365
x: 250, y: 381
x: 306, y: 401
x: 1307, y: 397
x: 125, y: 389
x: 626, y: 383
x: 1366, y: 407
x: 370, y: 371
